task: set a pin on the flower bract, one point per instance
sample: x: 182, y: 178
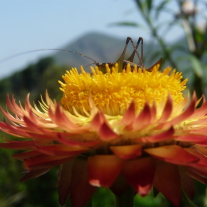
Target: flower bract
x: 114, y: 130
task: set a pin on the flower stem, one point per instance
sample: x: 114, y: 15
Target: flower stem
x: 127, y: 199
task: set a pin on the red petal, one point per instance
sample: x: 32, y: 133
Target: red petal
x: 106, y: 133
x: 199, y: 171
x: 188, y: 184
x: 200, y: 149
x: 104, y: 169
x: 62, y: 120
x: 34, y: 174
x: 185, y: 115
x: 196, y: 176
x: 74, y: 143
x: 140, y: 174
x: 129, y: 115
x: 33, y: 126
x: 19, y: 145
x: 195, y: 138
x: 64, y: 181
x: 202, y: 162
x: 173, y: 154
x: 167, y: 181
x: 60, y: 150
x: 81, y: 190
x: 158, y: 137
x: 26, y: 155
x: 45, y: 161
x: 200, y: 111
x: 13, y: 130
x: 13, y: 106
x: 97, y: 121
x: 143, y: 118
x: 127, y: 151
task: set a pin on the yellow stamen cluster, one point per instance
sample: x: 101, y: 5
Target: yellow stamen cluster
x: 113, y: 91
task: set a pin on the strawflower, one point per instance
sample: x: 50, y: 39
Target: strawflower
x: 119, y: 130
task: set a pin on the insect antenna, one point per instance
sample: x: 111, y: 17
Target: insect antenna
x: 32, y: 51
x: 135, y: 51
x: 121, y: 59
x: 131, y: 58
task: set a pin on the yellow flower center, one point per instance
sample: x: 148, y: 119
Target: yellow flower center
x: 113, y: 91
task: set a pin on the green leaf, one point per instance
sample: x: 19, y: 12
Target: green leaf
x: 140, y: 5
x: 160, y: 7
x: 128, y: 24
x: 149, y: 4
x: 187, y: 200
x: 197, y: 66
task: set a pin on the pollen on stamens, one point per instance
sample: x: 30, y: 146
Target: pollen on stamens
x: 113, y: 91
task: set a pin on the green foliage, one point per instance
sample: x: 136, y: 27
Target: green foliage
x: 34, y: 79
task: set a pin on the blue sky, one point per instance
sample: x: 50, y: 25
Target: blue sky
x: 35, y: 24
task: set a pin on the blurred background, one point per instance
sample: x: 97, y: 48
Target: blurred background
x: 175, y: 30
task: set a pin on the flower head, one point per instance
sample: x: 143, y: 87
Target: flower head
x: 115, y: 129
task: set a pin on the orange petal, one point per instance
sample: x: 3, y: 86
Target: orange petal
x: 153, y: 112
x: 34, y: 174
x: 129, y: 115
x: 13, y: 130
x: 74, y: 143
x: 167, y: 181
x: 106, y: 133
x: 185, y: 115
x: 167, y: 110
x: 81, y: 190
x: 127, y: 151
x: 62, y: 120
x: 104, y: 169
x: 200, y: 111
x: 143, y: 118
x: 13, y: 106
x: 33, y: 126
x: 60, y: 150
x: 173, y: 154
x: 195, y: 138
x: 202, y: 162
x: 158, y: 137
x: 97, y: 121
x: 202, y: 150
x: 140, y: 174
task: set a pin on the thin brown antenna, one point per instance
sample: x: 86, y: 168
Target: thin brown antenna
x: 31, y: 51
x: 131, y: 58
x: 135, y: 50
